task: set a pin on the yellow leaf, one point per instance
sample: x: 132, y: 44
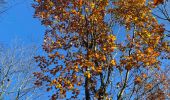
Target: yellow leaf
x: 92, y: 5
x: 87, y: 74
x: 87, y: 9
x: 113, y: 63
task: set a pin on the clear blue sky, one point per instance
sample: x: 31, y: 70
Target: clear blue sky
x: 18, y: 22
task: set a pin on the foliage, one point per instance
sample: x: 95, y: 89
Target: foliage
x: 85, y: 53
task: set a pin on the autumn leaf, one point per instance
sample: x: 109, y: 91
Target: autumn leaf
x: 86, y: 32
x: 157, y: 2
x: 113, y: 62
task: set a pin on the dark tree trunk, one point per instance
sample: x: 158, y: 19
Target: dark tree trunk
x: 87, y: 94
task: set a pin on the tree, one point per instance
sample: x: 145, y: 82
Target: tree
x: 6, y: 5
x: 2, y: 3
x: 162, y: 12
x: 86, y: 53
x: 16, y: 67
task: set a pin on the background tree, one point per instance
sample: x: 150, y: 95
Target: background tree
x: 5, y: 5
x: 2, y: 3
x: 16, y: 67
x: 162, y: 13
x: 87, y: 52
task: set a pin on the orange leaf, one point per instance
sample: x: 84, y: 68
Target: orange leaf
x: 157, y: 2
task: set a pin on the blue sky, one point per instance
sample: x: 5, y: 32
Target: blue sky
x: 18, y: 22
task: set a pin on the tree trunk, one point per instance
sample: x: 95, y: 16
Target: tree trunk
x: 87, y: 94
